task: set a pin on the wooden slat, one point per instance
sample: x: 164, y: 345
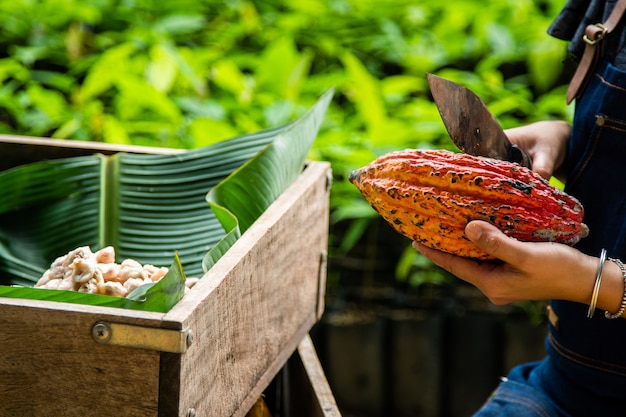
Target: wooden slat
x: 301, y: 389
x: 318, y: 399
x: 252, y: 309
x: 18, y: 150
x: 51, y: 366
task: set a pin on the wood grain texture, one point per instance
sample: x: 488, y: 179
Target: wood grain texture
x: 248, y: 314
x: 251, y: 310
x: 300, y: 389
x: 51, y: 366
x: 18, y: 150
x: 323, y: 403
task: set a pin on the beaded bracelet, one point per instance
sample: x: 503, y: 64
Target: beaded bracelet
x: 596, y: 287
x: 622, y: 306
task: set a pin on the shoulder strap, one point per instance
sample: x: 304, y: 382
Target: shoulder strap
x: 593, y: 36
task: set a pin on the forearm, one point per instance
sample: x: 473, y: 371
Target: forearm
x: 611, y: 289
x: 532, y: 271
x: 577, y: 282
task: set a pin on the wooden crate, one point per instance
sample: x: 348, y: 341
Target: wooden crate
x: 212, y: 355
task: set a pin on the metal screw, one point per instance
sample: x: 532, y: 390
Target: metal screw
x: 191, y: 412
x: 101, y: 332
x: 189, y: 338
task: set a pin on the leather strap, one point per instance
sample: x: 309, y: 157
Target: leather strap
x: 594, y: 34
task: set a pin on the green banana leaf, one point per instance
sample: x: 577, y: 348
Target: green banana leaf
x: 159, y: 297
x: 152, y: 208
x: 239, y: 200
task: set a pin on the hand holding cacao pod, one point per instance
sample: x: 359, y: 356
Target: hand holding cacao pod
x: 528, y: 270
x: 429, y: 196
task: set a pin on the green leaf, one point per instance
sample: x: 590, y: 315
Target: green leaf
x: 159, y: 297
x: 162, y: 69
x: 180, y: 24
x: 229, y: 76
x: 365, y: 93
x: 246, y: 193
x: 548, y: 50
x: 100, y: 76
x: 151, y: 208
x: 207, y: 131
x: 164, y: 294
x: 282, y: 69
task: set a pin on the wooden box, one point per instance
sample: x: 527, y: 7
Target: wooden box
x: 212, y: 355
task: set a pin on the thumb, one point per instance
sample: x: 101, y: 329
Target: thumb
x: 543, y: 166
x: 491, y: 240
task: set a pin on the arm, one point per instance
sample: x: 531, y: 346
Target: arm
x: 530, y: 271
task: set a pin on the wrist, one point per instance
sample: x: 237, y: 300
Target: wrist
x: 612, y: 292
x: 605, y: 287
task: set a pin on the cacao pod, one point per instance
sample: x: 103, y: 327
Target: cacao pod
x: 430, y: 195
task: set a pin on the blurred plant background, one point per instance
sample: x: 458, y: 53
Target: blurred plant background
x: 188, y: 73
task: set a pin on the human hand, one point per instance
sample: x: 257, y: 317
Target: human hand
x: 529, y: 270
x: 546, y: 144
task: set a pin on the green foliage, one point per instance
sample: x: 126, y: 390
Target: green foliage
x: 244, y: 195
x: 417, y: 270
x: 146, y: 206
x: 189, y: 73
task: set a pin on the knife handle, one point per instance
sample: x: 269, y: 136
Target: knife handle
x: 519, y: 156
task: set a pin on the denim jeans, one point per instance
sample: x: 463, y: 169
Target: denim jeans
x: 518, y: 396
x: 584, y: 372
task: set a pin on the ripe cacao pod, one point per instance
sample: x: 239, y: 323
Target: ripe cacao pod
x: 430, y: 195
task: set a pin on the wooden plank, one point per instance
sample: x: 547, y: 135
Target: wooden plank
x: 18, y: 150
x: 319, y: 398
x: 254, y: 306
x: 300, y: 389
x: 51, y: 366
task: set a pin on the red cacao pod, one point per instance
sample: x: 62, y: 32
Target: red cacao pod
x: 430, y: 195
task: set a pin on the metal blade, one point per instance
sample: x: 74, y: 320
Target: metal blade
x: 470, y: 124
